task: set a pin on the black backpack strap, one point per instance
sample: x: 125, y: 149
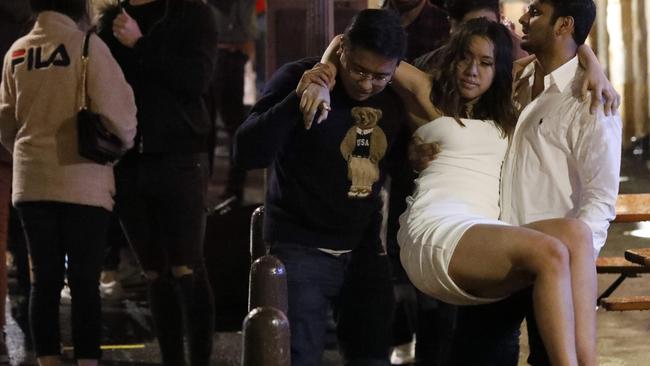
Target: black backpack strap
x: 86, y: 42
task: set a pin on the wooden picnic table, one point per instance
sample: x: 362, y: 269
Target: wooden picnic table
x: 629, y: 208
x: 639, y: 256
x: 633, y: 207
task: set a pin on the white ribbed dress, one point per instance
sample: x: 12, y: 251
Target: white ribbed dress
x: 460, y: 188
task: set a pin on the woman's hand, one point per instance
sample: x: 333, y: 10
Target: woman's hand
x: 601, y: 90
x: 321, y: 74
x: 596, y: 81
x: 314, y: 104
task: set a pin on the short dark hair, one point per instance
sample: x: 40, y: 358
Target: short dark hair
x: 457, y: 9
x: 75, y: 9
x: 496, y: 102
x: 582, y: 11
x: 378, y: 31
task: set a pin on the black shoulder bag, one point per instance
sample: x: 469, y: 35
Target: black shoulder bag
x: 96, y: 143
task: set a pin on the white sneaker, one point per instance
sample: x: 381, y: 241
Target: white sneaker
x: 403, y: 354
x: 111, y: 290
x: 66, y: 296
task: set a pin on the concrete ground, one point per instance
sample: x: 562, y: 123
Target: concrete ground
x: 622, y: 339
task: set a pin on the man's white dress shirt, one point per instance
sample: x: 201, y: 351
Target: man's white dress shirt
x: 562, y: 161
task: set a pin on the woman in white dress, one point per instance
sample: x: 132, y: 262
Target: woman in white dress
x: 453, y: 246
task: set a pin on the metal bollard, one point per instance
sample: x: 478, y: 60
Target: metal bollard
x: 268, y: 284
x: 266, y: 340
x: 258, y: 247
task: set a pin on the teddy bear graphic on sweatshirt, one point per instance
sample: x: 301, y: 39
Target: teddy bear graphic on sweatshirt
x: 363, y: 146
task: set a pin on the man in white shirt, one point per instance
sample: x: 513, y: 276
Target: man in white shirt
x: 563, y: 161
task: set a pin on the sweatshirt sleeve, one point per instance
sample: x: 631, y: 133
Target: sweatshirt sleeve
x: 187, y: 69
x: 110, y: 95
x: 8, y: 122
x: 271, y: 121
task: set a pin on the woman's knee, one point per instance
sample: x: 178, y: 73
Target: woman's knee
x: 550, y: 255
x: 577, y: 237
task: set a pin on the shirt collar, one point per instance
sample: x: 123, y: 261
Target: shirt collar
x: 563, y: 75
x: 560, y: 77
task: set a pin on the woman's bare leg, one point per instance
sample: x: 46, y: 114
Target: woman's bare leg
x: 578, y: 239
x: 495, y: 261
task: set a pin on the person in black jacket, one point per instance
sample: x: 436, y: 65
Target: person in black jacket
x: 15, y: 20
x: 327, y: 236
x: 167, y: 50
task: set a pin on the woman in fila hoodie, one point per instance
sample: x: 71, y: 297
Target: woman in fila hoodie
x: 63, y: 199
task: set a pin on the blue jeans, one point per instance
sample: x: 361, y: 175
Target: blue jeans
x: 54, y: 230
x: 356, y: 285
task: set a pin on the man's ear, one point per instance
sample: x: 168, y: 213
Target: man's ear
x: 564, y: 26
x: 343, y: 47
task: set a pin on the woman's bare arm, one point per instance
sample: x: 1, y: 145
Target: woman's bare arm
x: 414, y: 87
x: 596, y: 81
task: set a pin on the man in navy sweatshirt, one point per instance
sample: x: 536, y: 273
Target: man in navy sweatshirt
x: 327, y: 235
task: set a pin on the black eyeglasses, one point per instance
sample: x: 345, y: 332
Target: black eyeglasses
x: 359, y: 75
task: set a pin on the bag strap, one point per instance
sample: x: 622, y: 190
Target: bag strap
x: 84, y: 71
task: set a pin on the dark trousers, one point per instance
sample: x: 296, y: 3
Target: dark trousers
x: 116, y: 241
x: 357, y: 286
x: 226, y: 98
x: 492, y: 332
x: 54, y: 230
x: 436, y: 323
x: 161, y: 202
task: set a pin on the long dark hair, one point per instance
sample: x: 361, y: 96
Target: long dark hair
x: 496, y: 102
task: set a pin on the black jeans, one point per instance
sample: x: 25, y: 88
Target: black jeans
x: 161, y: 202
x: 54, y: 230
x: 356, y: 285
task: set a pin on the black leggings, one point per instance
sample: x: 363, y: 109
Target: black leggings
x: 54, y: 230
